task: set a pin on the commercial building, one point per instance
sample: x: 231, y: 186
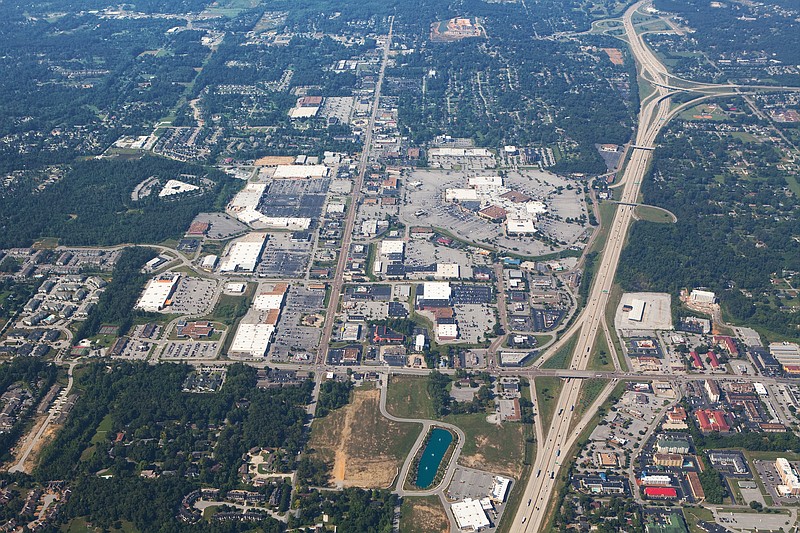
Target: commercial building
x: 272, y: 299
x: 661, y: 493
x: 637, y: 310
x: 710, y: 420
x: 787, y: 354
x: 447, y: 331
x: 300, y: 171
x: 209, y: 262
x: 470, y: 515
x: 602, y: 485
x: 712, y: 390
x: 658, y: 480
x: 789, y: 478
x: 244, y: 253
x: 252, y: 339
x: 606, y: 460
x: 447, y: 271
x: 695, y: 486
x: 668, y: 459
x: 157, y: 293
x: 392, y: 247
x: 173, y: 187
x: 500, y: 489
x: 703, y: 297
x: 672, y: 445
x: 436, y: 290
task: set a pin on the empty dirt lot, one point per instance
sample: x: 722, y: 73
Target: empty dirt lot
x: 365, y: 449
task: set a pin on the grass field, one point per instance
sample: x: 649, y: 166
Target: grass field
x: 496, y: 448
x: 365, y: 449
x: 407, y: 397
x: 600, y: 358
x: 563, y: 357
x: 590, y: 389
x: 102, y: 430
x: 423, y: 515
x: 613, y: 302
x: 547, y: 391
x: 694, y: 515
x: 652, y: 214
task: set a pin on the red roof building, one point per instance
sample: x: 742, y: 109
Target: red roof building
x: 384, y: 335
x: 678, y: 414
x: 696, y: 362
x: 198, y: 228
x: 712, y: 420
x: 714, y: 361
x: 695, y: 486
x: 728, y: 343
x: 661, y: 493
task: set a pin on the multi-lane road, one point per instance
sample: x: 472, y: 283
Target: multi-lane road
x: 561, y: 436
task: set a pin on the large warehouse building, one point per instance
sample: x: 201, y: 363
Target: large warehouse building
x: 157, y: 293
x: 244, y: 254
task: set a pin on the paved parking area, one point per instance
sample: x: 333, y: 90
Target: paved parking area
x: 474, y: 321
x: 469, y: 483
x: 291, y: 337
x: 222, y: 226
x: 283, y: 257
x: 190, y: 350
x: 136, y: 350
x: 753, y: 521
x: 769, y: 476
x: 193, y: 296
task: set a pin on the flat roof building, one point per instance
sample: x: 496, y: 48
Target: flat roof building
x: 252, y: 339
x: 436, y: 290
x: 157, y: 293
x: 300, y: 171
x: 244, y: 254
x: 637, y: 310
x: 470, y: 515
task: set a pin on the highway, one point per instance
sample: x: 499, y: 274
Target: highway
x: 653, y: 115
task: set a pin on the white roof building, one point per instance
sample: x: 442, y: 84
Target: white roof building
x: 209, y: 262
x: 252, y: 339
x: 300, y: 171
x: 459, y: 152
x: 485, y: 181
x: 266, y: 302
x: 392, y: 247
x: 500, y: 488
x: 705, y: 297
x: 447, y: 271
x: 157, y: 292
x: 247, y: 197
x: 656, y: 480
x: 470, y: 515
x: 462, y: 195
x: 303, y: 112
x: 637, y: 310
x: 244, y: 254
x: 173, y: 187
x: 787, y: 353
x: 520, y: 226
x: 436, y: 290
x: 447, y: 331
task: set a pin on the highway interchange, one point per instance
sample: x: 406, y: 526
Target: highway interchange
x: 554, y: 444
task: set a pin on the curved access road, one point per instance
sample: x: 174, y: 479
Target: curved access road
x: 426, y: 427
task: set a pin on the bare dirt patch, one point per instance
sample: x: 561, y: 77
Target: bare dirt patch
x: 365, y: 449
x: 426, y: 516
